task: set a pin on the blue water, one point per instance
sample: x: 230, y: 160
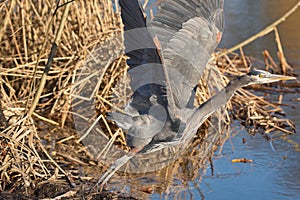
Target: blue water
x: 245, y: 18
x: 270, y: 176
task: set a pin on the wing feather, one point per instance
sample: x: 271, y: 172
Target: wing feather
x: 189, y: 31
x: 146, y: 73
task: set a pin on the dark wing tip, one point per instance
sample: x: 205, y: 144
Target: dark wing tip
x: 139, y: 44
x: 132, y: 14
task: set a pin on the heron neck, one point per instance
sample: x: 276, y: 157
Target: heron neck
x: 216, y: 102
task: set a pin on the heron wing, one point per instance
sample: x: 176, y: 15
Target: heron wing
x: 188, y: 31
x: 139, y: 45
x: 146, y: 73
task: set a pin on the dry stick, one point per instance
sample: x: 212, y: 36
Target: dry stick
x: 145, y: 4
x: 6, y: 19
x: 23, y: 14
x: 45, y: 119
x: 69, y: 102
x: 2, y: 4
x: 14, y: 40
x: 273, y: 65
x: 66, y: 195
x: 39, y: 59
x: 50, y: 60
x: 284, y: 64
x: 263, y: 32
x: 243, y: 57
x: 72, y: 159
x: 116, y: 6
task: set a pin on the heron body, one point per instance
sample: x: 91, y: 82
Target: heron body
x: 166, y: 58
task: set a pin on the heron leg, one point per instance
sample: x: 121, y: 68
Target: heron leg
x: 112, y: 170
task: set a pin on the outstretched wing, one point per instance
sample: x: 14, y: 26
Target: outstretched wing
x: 139, y: 45
x: 188, y: 31
x: 146, y: 73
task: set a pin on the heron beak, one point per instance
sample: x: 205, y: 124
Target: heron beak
x: 276, y: 77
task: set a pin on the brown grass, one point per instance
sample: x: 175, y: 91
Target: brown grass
x: 46, y: 147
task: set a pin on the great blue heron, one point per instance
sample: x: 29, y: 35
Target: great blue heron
x: 166, y: 58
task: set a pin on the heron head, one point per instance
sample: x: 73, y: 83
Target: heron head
x: 260, y: 77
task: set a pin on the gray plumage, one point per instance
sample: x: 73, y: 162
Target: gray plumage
x: 188, y: 33
x: 164, y: 76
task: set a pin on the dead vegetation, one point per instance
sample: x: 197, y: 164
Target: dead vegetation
x: 52, y: 144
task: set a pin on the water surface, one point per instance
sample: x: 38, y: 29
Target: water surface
x: 275, y: 172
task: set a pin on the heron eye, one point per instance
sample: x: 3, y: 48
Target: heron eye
x: 260, y: 75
